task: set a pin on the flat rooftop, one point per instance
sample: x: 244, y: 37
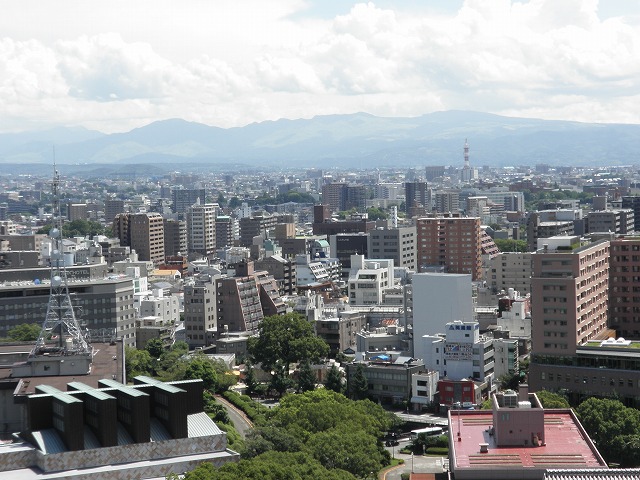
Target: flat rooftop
x: 567, y: 446
x: 106, y: 364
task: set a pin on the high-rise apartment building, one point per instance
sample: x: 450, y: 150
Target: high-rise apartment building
x: 341, y: 196
x: 633, y: 202
x: 224, y: 231
x: 614, y: 221
x: 175, y: 237
x: 77, y: 211
x: 244, y: 300
x: 143, y: 232
x: 569, y: 295
x: 624, y: 287
x: 417, y: 198
x: 200, y: 312
x: 112, y: 207
x: 511, y: 270
x: 447, y: 202
x: 258, y: 225
x: 333, y: 195
x: 397, y: 244
x: 454, y: 243
x: 201, y: 228
x: 183, y: 199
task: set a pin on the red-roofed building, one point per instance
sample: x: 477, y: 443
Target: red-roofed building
x: 517, y: 439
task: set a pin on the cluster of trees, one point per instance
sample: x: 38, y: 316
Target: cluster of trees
x: 292, y: 196
x: 373, y: 213
x: 25, y: 332
x: 317, y: 434
x: 79, y: 228
x: 614, y: 428
x: 285, y: 340
x: 535, y: 200
x: 511, y: 245
x: 174, y: 364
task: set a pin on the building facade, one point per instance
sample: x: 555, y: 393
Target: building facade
x: 175, y: 237
x: 201, y: 228
x: 511, y: 270
x: 397, y: 244
x: 454, y: 243
x: 143, y: 232
x: 569, y: 295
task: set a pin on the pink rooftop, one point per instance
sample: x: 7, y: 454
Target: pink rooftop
x: 565, y: 444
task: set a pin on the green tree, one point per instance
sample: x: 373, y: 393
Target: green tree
x: 250, y: 379
x: 234, y: 202
x: 280, y: 380
x: 270, y: 466
x: 552, y: 400
x: 215, y: 410
x: 375, y: 213
x: 321, y: 410
x: 25, y: 332
x: 359, y: 386
x: 354, y: 451
x: 77, y: 228
x: 334, y: 380
x: 221, y: 200
x: 286, y: 339
x: 214, y: 373
x: 306, y: 377
x: 511, y: 245
x: 155, y: 347
x: 611, y: 425
x: 172, y: 363
x: 137, y: 362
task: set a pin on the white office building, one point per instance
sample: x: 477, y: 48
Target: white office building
x: 368, y: 279
x: 460, y: 353
x: 439, y: 298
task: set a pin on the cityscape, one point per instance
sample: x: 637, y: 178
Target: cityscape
x: 307, y: 240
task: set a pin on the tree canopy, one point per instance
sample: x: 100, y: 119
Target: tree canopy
x: 359, y: 386
x: 552, y: 400
x: 334, y: 380
x: 511, y: 245
x: 270, y: 465
x: 336, y: 432
x: 614, y: 428
x: 25, y: 332
x: 77, y: 228
x: 286, y: 339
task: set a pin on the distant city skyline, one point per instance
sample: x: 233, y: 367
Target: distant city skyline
x: 115, y: 66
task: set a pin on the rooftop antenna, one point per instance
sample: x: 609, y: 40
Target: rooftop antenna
x: 61, y: 334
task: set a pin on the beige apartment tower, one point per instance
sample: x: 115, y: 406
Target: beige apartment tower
x: 569, y: 295
x: 143, y: 232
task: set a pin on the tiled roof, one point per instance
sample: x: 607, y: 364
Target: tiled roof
x: 599, y: 474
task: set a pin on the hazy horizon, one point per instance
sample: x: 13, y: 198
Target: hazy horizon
x: 116, y: 66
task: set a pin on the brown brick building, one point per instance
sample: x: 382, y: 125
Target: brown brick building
x: 454, y: 243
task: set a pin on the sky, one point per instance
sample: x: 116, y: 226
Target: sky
x: 120, y: 64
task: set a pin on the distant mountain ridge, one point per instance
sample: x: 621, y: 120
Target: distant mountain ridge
x: 353, y: 140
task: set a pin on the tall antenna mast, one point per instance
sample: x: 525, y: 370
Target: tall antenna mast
x: 61, y: 334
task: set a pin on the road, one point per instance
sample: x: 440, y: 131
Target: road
x: 417, y: 464
x: 240, y: 421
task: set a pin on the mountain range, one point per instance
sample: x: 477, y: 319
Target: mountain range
x: 357, y: 140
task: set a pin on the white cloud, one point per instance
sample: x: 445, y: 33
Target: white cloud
x: 118, y: 65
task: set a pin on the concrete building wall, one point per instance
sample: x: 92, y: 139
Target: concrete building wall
x: 398, y: 244
x: 511, y: 270
x: 439, y: 298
